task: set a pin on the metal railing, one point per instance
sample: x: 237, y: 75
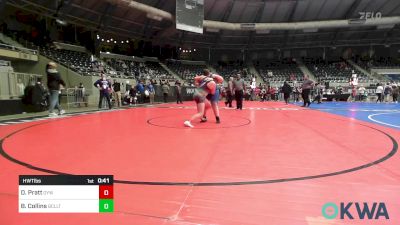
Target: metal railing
x: 18, y: 81
x: 19, y: 49
x: 76, y: 97
x: 5, y: 63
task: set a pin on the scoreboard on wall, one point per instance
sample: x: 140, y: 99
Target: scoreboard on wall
x: 66, y: 194
x: 190, y: 15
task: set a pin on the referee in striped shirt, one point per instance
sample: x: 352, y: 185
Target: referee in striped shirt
x: 239, y: 87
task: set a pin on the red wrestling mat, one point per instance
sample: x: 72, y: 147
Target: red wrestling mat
x: 267, y: 164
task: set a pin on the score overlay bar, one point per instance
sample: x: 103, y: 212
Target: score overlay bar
x: 66, y: 194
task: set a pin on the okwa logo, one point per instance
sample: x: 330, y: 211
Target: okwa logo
x: 190, y: 91
x: 355, y: 210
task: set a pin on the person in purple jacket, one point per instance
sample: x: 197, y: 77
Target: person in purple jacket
x: 104, y: 86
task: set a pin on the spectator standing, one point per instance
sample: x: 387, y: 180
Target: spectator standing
x: 20, y: 88
x: 272, y: 92
x: 229, y: 93
x: 165, y: 89
x: 239, y: 88
x: 253, y: 86
x: 296, y: 94
x: 257, y: 92
x: 305, y: 91
x: 361, y: 93
x: 276, y: 93
x: 247, y: 94
x: 263, y: 93
x: 395, y: 92
x: 178, y: 90
x: 152, y: 92
x: 104, y: 87
x: 353, y: 93
x: 54, y: 83
x: 39, y: 96
x: 286, y: 90
x: 140, y: 91
x: 132, y: 96
x: 318, y: 93
x: 117, y: 93
x: 387, y: 92
x: 379, y: 92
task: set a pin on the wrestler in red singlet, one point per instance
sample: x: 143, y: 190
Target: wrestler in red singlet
x: 205, y: 85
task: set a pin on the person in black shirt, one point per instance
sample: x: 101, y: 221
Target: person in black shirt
x: 117, y: 93
x: 39, y: 95
x: 286, y: 90
x: 178, y: 91
x: 54, y: 83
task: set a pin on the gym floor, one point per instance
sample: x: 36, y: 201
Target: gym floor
x: 269, y: 163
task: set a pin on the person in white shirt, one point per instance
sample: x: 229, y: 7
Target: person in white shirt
x: 361, y: 93
x: 379, y: 91
x: 20, y: 88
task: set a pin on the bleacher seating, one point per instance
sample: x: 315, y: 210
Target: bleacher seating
x: 338, y: 71
x: 394, y: 77
x: 362, y: 77
x: 278, y: 71
x: 186, y: 71
x: 77, y: 61
x: 231, y: 69
x: 125, y: 68
x: 378, y: 63
x: 153, y: 70
x: 138, y: 70
x: 80, y: 62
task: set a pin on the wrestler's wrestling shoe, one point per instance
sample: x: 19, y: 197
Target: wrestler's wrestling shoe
x: 188, y: 124
x: 203, y: 120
